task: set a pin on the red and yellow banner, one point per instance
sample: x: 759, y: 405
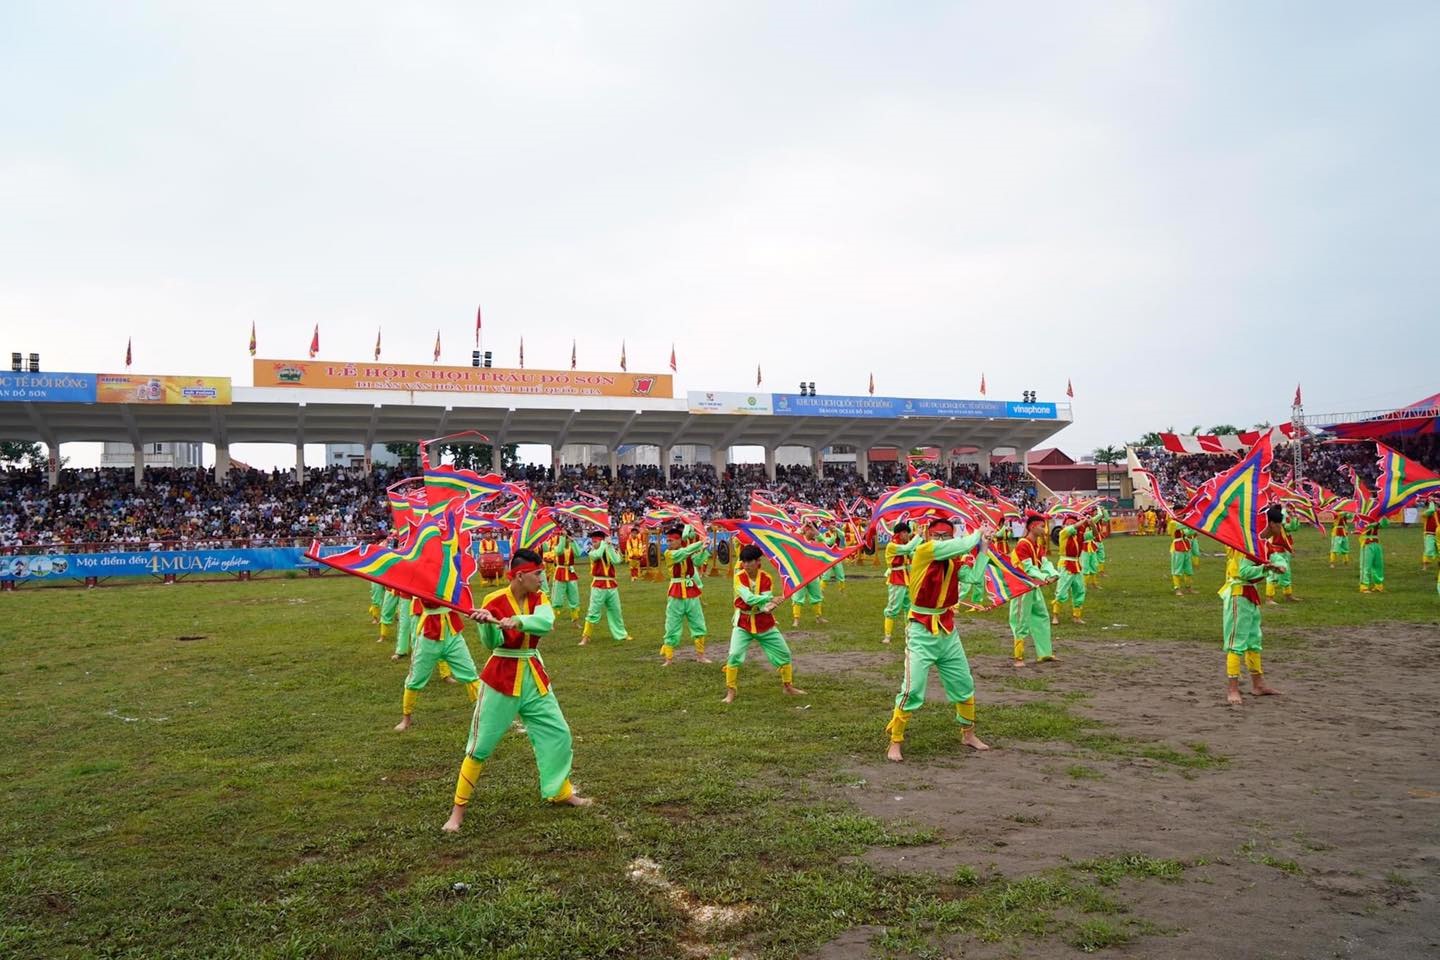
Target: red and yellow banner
x: 184, y: 391
x: 327, y: 375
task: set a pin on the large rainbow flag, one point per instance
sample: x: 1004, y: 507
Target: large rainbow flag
x: 797, y: 560
x: 1228, y: 506
x: 1401, y: 481
x: 434, y: 563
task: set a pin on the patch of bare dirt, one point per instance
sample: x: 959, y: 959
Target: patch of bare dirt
x: 1319, y: 838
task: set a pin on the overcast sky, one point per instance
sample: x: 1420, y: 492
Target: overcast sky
x: 1185, y: 207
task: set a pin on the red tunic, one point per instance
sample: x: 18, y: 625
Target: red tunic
x: 684, y: 570
x: 754, y: 622
x: 603, y: 572
x: 1180, y: 543
x: 1280, y: 542
x: 899, y: 571
x: 1027, y: 549
x: 565, y: 564
x: 939, y: 589
x: 432, y: 620
x: 1432, y: 522
x: 1072, y: 548
x: 506, y: 674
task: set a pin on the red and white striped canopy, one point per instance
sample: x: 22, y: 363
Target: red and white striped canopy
x: 1216, y: 443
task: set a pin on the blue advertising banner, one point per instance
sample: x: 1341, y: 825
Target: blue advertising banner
x: 54, y: 566
x: 889, y: 408
x: 47, y: 387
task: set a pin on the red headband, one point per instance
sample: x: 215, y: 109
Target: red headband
x: 518, y: 569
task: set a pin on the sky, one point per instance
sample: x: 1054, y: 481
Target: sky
x: 1184, y: 208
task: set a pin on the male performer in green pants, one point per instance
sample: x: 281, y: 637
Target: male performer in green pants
x: 755, y: 602
x: 682, y: 606
x: 515, y: 684
x: 1028, y: 616
x: 604, y: 588
x: 812, y: 594
x: 439, y: 638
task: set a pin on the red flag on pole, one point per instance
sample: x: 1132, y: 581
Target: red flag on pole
x: 872, y: 384
x: 522, y: 353
x: 127, y: 353
x: 757, y: 375
x: 1069, y: 389
x: 622, y: 355
x: 1297, y: 396
x: 315, y: 342
x: 982, y: 384
x: 572, y: 354
x: 437, y: 346
x: 477, y: 327
x: 377, y: 345
x: 672, y: 358
x: 252, y: 338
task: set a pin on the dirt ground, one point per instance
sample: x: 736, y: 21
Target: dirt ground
x: 1338, y: 777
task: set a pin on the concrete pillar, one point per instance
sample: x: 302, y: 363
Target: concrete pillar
x: 983, y: 459
x: 817, y: 460
x: 222, y: 462
x: 614, y: 463
x: 555, y: 460
x: 770, y: 463
x: 717, y: 460
x: 300, y: 463
x: 862, y: 463
x: 665, y: 463
x: 52, y: 469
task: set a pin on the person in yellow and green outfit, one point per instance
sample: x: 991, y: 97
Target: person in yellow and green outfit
x: 565, y: 589
x: 1028, y: 616
x: 1240, y: 618
x: 377, y: 594
x: 1282, y: 553
x: 604, y: 589
x: 1090, y: 558
x: 683, y: 607
x: 389, y: 613
x: 930, y: 636
x: 1071, y: 588
x: 1102, y: 533
x: 755, y: 602
x: 438, y: 639
x: 1372, y: 555
x: 1340, y: 539
x: 813, y: 593
x: 635, y: 546
x: 1430, y: 516
x: 516, y: 686
x: 1182, y: 559
x: 897, y: 577
x: 834, y: 536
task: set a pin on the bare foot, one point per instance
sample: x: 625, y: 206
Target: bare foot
x: 730, y: 693
x: 1050, y: 659
x: 394, y: 656
x: 822, y: 620
x: 1292, y: 599
x: 1054, y: 621
x: 973, y: 742
x: 453, y: 824
x: 1272, y: 603
x: 403, y: 725
x: 793, y: 690
x: 1018, y: 664
x: 1262, y: 689
x: 703, y: 659
x: 584, y: 641
x: 575, y: 800
x: 893, y: 754
x: 1234, y: 699
x: 884, y: 639
x: 451, y: 679
x: 666, y: 661
x: 1179, y: 593
x: 1076, y: 620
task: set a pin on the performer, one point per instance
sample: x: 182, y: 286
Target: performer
x: 489, y: 564
x: 635, y: 552
x: 1090, y: 558
x: 389, y: 613
x: 604, y: 589
x: 1431, y: 517
x: 755, y: 602
x: 683, y: 607
x: 405, y: 631
x: 1106, y: 528
x: 897, y: 579
x: 1194, y: 550
x: 567, y: 582
x: 1182, y: 559
x: 834, y: 536
x: 1340, y: 539
x: 512, y: 622
x: 930, y: 637
x: 813, y: 593
x: 438, y: 638
x: 377, y: 594
x: 1028, y: 616
x: 1240, y: 616
x: 1071, y: 588
x: 1372, y: 556
x: 1282, y: 551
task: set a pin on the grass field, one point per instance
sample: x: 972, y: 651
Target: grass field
x: 209, y: 770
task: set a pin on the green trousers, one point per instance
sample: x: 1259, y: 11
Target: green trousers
x: 389, y: 612
x: 1340, y: 546
x: 772, y: 642
x: 944, y: 652
x: 1182, y: 564
x: 607, y: 601
x: 1241, y: 626
x: 1283, y: 579
x: 404, y: 628
x: 972, y: 585
x: 811, y: 593
x: 1429, y: 550
x: 1090, y: 563
x: 566, y: 596
x: 1029, y: 618
x: 544, y: 724
x: 377, y: 593
x: 1372, y: 565
x: 834, y: 574
x: 1071, y: 588
x: 426, y: 653
x: 897, y: 602
x: 1100, y: 551
x: 679, y: 614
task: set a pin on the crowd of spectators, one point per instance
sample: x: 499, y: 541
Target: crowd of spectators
x: 253, y: 507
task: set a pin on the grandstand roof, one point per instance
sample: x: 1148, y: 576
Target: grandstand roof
x: 302, y: 415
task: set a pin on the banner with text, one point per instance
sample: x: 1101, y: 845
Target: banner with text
x: 171, y: 391
x: 888, y: 408
x: 47, y: 387
x: 55, y: 566
x: 734, y: 403
x: 325, y: 375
